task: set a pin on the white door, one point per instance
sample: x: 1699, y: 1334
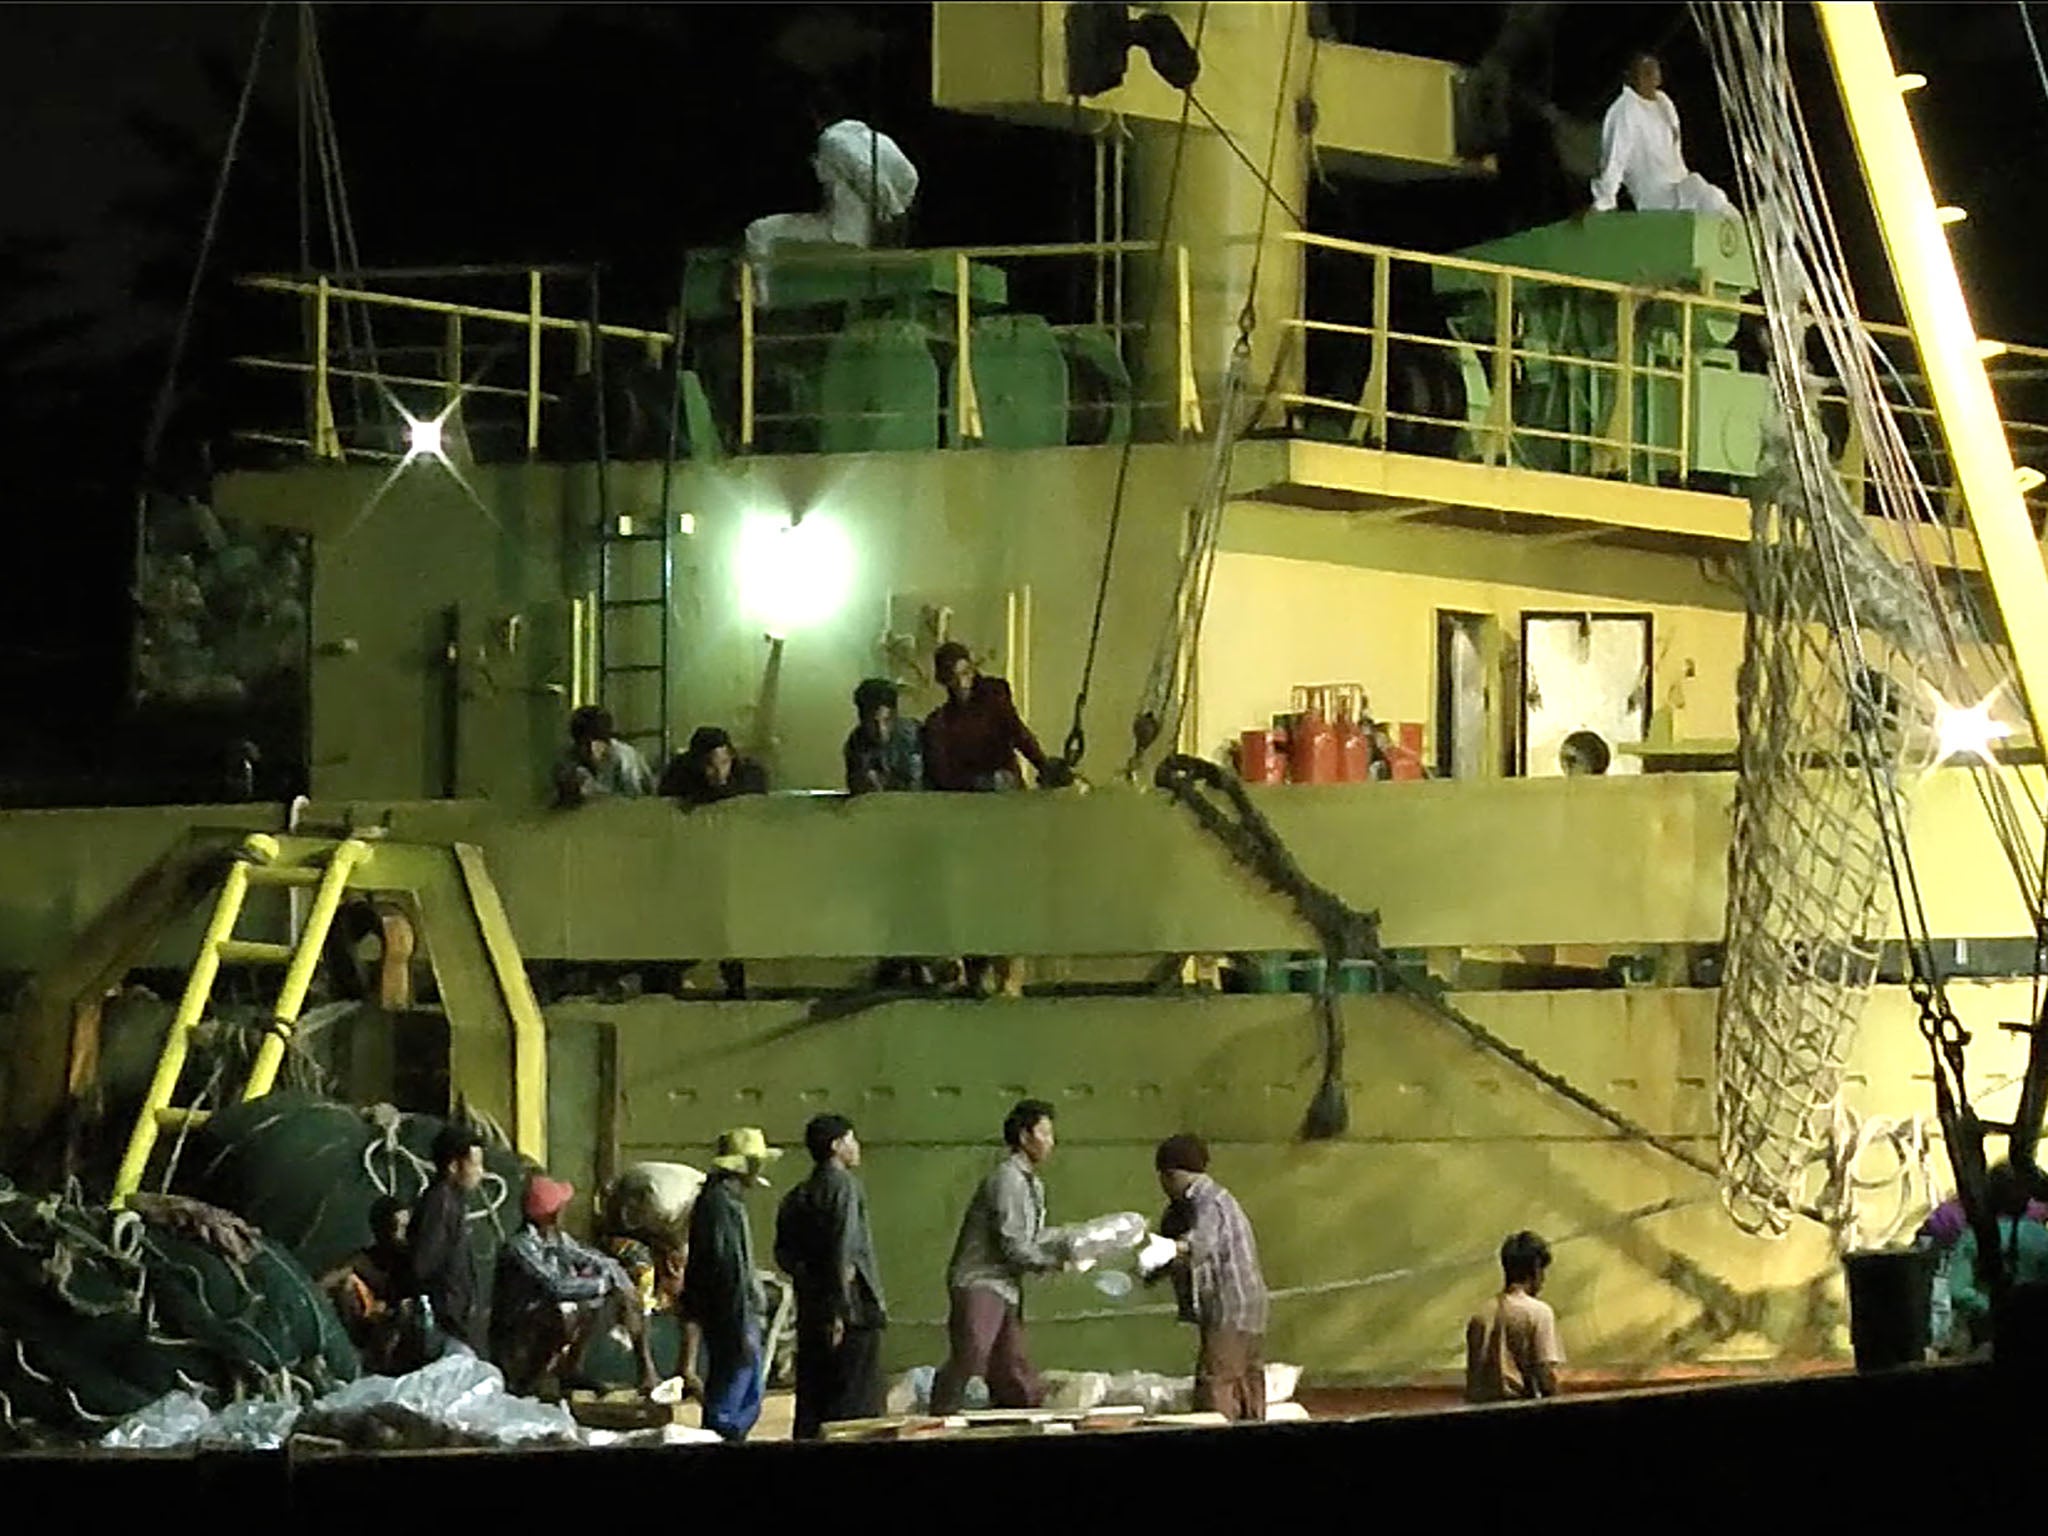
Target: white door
x: 1584, y: 672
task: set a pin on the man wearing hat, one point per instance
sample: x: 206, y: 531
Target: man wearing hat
x: 722, y: 1297
x: 554, y: 1295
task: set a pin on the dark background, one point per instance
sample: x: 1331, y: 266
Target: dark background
x: 625, y: 134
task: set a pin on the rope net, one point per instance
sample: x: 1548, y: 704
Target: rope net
x: 1852, y: 644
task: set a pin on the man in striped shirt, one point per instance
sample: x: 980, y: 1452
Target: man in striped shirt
x: 1216, y: 1280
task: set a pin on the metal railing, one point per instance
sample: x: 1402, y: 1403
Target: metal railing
x: 1519, y: 366
x: 1651, y: 352
x: 430, y: 362
x: 373, y: 355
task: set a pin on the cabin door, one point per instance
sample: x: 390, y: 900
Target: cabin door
x: 1583, y: 672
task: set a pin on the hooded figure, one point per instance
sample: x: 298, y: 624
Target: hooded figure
x: 867, y: 181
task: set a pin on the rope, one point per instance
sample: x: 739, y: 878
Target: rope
x: 1076, y: 744
x: 1348, y: 933
x: 1472, y: 1260
x: 160, y: 414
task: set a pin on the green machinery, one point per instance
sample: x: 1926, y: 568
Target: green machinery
x: 860, y: 352
x: 1693, y: 412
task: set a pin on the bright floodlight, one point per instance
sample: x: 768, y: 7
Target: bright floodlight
x: 423, y: 437
x: 793, y: 575
x: 1966, y: 732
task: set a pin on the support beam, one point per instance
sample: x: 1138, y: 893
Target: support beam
x: 1916, y: 242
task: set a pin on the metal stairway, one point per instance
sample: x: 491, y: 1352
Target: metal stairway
x: 636, y: 577
x: 254, y: 865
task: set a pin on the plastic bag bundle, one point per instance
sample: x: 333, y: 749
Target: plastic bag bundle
x: 1105, y: 1237
x: 102, y: 1315
x: 459, y: 1400
x: 653, y: 1201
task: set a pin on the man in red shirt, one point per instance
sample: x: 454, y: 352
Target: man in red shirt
x: 973, y: 742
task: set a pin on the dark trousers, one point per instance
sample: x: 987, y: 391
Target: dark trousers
x: 836, y: 1381
x: 987, y: 1337
x: 1230, y: 1374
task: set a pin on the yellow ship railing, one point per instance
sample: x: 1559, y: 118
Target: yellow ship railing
x: 525, y: 352
x: 480, y: 354
x: 1613, y: 449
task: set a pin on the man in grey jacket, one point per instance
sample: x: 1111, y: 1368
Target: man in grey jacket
x: 1002, y: 1239
x: 822, y: 1241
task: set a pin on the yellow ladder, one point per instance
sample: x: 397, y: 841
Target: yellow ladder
x: 254, y: 865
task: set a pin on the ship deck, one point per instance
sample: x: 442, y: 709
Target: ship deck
x: 1764, y: 1444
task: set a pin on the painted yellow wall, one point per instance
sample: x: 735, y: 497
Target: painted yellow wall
x: 1275, y: 621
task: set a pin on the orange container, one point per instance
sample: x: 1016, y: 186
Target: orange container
x: 1354, y: 746
x: 1312, y: 747
x: 1262, y: 757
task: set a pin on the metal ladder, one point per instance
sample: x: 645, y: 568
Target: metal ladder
x: 254, y: 865
x: 631, y: 663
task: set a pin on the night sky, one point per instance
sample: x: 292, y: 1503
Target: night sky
x: 625, y: 134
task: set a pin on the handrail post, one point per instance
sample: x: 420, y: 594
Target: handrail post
x: 1189, y: 414
x: 1686, y: 403
x: 746, y: 356
x: 967, y: 401
x: 533, y: 331
x: 326, y: 440
x: 1625, y: 385
x: 1504, y: 363
x: 1374, y: 422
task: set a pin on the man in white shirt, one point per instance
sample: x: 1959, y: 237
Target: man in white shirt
x: 1640, y: 150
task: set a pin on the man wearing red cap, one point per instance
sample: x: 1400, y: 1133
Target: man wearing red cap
x: 555, y: 1295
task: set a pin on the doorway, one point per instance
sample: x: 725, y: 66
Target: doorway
x: 1465, y: 642
x: 1583, y: 672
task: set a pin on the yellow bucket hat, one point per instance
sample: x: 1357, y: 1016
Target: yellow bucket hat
x: 746, y: 1144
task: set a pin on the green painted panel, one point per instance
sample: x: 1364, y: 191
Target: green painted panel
x: 1448, y: 1150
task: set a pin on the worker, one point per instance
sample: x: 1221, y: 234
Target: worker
x: 2024, y: 1242
x: 1584, y: 753
x: 724, y: 1307
x: 974, y: 739
x: 973, y: 742
x: 1640, y: 151
x: 1216, y: 1280
x: 554, y: 1296
x: 370, y: 1288
x: 823, y: 1244
x: 867, y: 181
x: 706, y: 772
x: 710, y: 769
x: 598, y: 765
x: 1003, y: 1238
x: 883, y: 750
x: 443, y: 1263
x: 1512, y: 1350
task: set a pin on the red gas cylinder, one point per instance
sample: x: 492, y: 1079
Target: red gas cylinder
x: 1354, y: 746
x: 1407, y: 755
x: 1262, y: 757
x: 1312, y: 750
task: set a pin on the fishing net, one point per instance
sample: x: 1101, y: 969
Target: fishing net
x: 1851, y: 645
x: 103, y: 1313
x: 307, y: 1170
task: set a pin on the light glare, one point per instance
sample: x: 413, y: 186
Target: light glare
x: 1966, y: 732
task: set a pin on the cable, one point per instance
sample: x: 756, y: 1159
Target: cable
x: 1237, y: 149
x: 159, y: 416
x: 2034, y: 47
x: 1076, y: 744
